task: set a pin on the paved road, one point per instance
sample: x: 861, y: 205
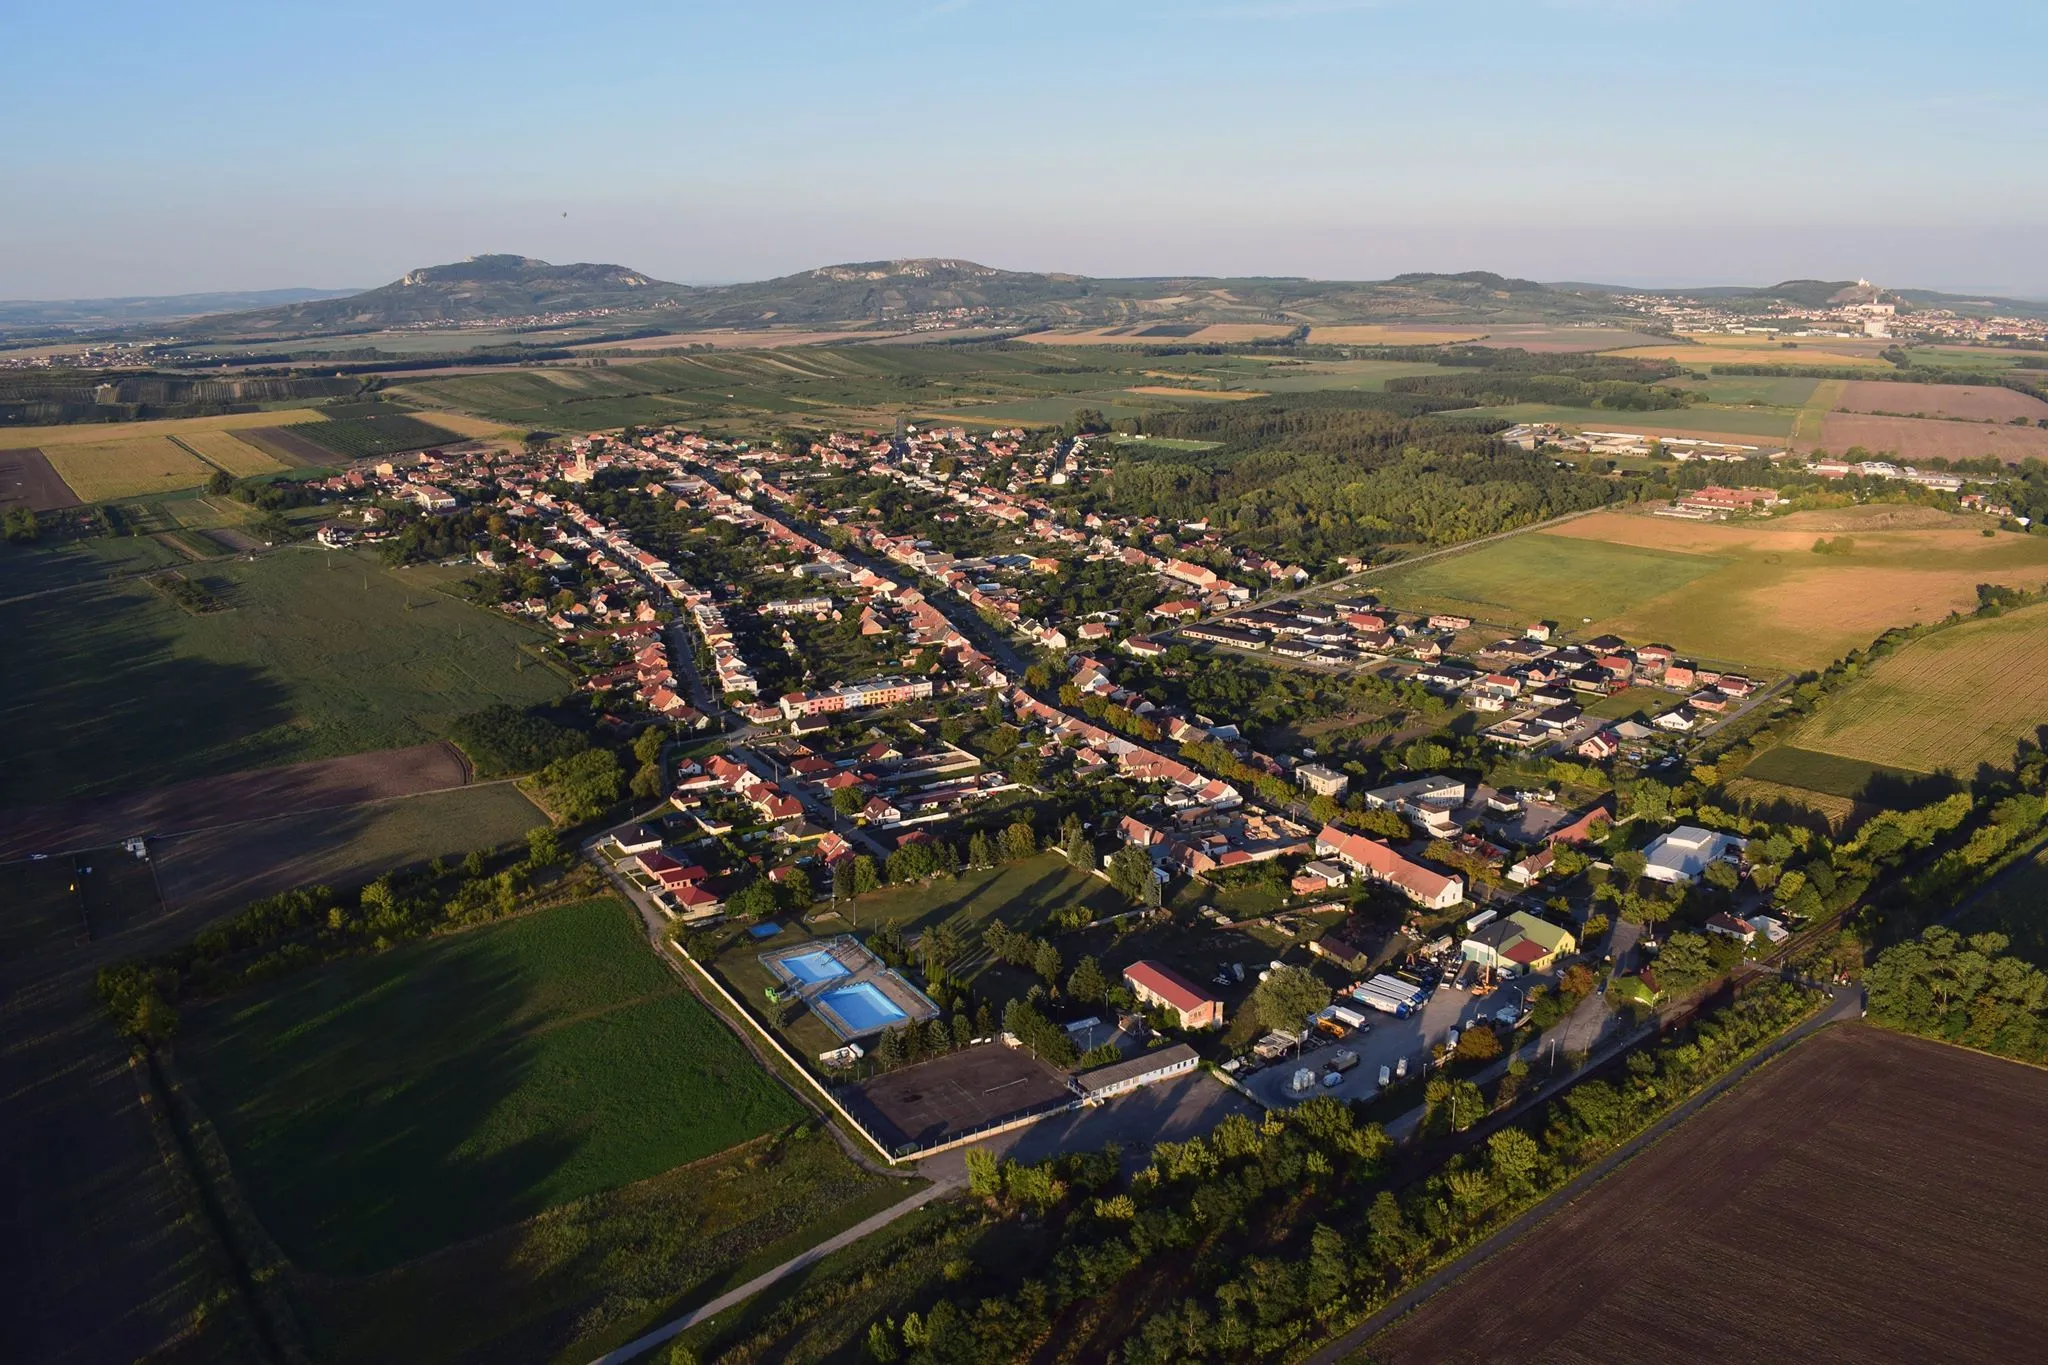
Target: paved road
x: 1847, y: 1004
x: 838, y: 1241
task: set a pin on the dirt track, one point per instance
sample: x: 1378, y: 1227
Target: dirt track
x: 27, y: 476
x: 208, y: 803
x: 1866, y: 1197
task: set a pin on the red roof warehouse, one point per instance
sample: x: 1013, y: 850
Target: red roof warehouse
x: 1155, y: 983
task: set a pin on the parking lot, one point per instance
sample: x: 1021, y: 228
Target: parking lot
x: 1386, y: 1042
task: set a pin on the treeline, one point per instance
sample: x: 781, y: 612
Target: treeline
x: 1493, y: 386
x: 1962, y: 990
x: 506, y: 739
x: 299, y: 929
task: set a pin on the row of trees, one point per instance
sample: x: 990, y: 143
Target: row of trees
x: 301, y: 928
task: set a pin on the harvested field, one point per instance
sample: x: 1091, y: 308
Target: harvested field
x: 26, y: 476
x: 290, y: 448
x: 1878, y: 516
x: 1868, y: 1197
x: 219, y: 869
x: 99, y: 433
x: 231, y: 540
x: 210, y: 803
x: 230, y: 452
x: 1170, y: 391
x: 1374, y: 334
x: 1914, y: 438
x: 730, y: 341
x: 1950, y: 702
x: 135, y: 467
x: 462, y: 424
x: 1706, y: 357
x: 1967, y: 401
x: 1772, y: 602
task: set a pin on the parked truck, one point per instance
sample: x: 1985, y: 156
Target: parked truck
x: 1389, y: 995
x: 1344, y: 1060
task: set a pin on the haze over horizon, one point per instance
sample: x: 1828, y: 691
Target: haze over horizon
x: 1648, y: 142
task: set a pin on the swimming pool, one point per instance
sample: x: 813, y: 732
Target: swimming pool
x: 863, y: 1008
x: 812, y: 967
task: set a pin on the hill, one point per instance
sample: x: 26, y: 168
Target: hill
x: 53, y: 316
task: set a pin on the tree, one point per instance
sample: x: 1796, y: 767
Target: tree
x: 797, y: 894
x: 1074, y: 842
x: 542, y: 847
x: 1685, y: 961
x: 1286, y: 998
x: 582, y: 786
x: 1087, y: 984
x: 865, y: 876
x: 1630, y: 863
x: 849, y: 800
x: 1045, y: 960
x: 1130, y: 871
x: 1514, y: 1158
x: 1723, y: 874
x: 1478, y: 1044
x: 1596, y: 924
x: 981, y: 851
x: 755, y: 900
x: 1019, y: 842
x: 220, y: 481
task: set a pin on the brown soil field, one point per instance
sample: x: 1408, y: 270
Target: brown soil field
x: 1537, y: 336
x: 1703, y: 352
x: 1941, y: 400
x: 1913, y: 438
x: 26, y: 476
x: 1878, y: 516
x: 768, y: 339
x: 208, y: 803
x: 290, y: 447
x: 1867, y: 1197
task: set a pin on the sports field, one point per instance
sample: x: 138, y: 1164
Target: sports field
x: 319, y: 654
x: 1744, y: 593
x: 377, y: 1109
x: 1950, y: 702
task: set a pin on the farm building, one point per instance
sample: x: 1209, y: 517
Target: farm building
x: 1156, y: 984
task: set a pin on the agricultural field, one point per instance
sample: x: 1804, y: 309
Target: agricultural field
x: 1950, y: 702
x: 1704, y: 352
x: 361, y: 438
x: 230, y: 452
x: 1372, y: 334
x: 378, y: 1109
x: 1545, y: 576
x: 467, y: 427
x: 27, y: 477
x: 98, y: 433
x: 1748, y: 390
x: 137, y: 466
x: 1967, y: 402
x: 1763, y: 599
x: 1912, y: 438
x: 1740, y: 425
x: 1800, y: 1217
x: 319, y: 654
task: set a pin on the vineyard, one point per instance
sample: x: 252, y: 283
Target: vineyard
x: 362, y: 438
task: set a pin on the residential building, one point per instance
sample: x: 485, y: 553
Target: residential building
x: 1158, y: 985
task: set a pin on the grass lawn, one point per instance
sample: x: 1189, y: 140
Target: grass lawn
x: 1829, y: 774
x: 380, y: 1108
x: 1541, y: 576
x: 1639, y: 703
x: 1951, y: 702
x: 322, y: 654
x: 586, y: 1277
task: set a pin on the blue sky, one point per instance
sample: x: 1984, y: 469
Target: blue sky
x: 164, y: 148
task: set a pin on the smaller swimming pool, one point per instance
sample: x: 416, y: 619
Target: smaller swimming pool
x: 769, y: 930
x: 812, y: 967
x: 863, y: 1008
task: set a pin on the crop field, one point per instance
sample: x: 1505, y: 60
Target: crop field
x: 1812, y: 770
x: 1950, y: 702
x: 135, y: 467
x: 1967, y: 401
x: 1748, y: 390
x: 1912, y: 438
x: 472, y: 428
x: 319, y: 654
x: 1704, y: 352
x: 99, y: 433
x: 1375, y: 334
x: 378, y: 1109
x: 360, y: 438
x: 1866, y: 1197
x: 1767, y: 601
x: 230, y: 452
x: 1798, y: 805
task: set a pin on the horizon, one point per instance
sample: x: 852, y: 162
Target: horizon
x: 1647, y: 143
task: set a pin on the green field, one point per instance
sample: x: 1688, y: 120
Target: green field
x: 365, y: 437
x: 1952, y: 702
x: 322, y: 654
x: 1829, y: 774
x: 1743, y: 390
x: 380, y: 1108
x: 1639, y: 703
x: 1543, y: 577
